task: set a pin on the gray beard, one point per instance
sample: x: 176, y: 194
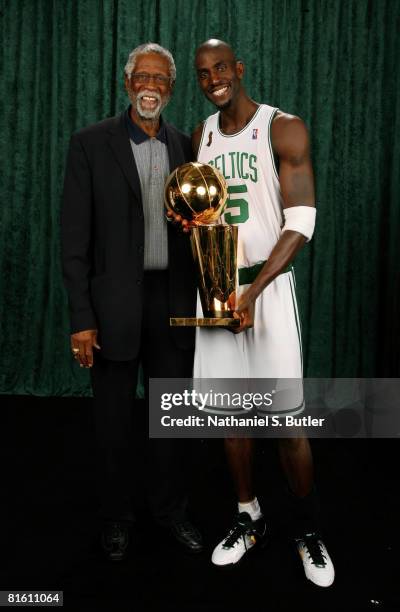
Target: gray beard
x: 151, y: 115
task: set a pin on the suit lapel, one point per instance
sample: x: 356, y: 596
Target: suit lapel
x: 121, y: 147
x: 122, y: 151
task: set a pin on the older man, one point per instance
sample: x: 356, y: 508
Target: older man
x: 124, y: 268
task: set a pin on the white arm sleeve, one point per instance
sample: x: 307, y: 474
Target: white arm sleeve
x: 300, y: 219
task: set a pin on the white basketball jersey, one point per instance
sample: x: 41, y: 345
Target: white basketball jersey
x: 271, y: 349
x: 246, y: 161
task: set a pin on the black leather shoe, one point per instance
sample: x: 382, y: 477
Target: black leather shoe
x: 186, y: 534
x: 115, y: 540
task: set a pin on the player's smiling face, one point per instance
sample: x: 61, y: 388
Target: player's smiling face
x: 219, y: 75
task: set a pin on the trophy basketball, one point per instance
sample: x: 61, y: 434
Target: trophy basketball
x: 198, y: 192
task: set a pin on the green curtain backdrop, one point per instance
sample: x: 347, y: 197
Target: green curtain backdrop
x: 333, y: 62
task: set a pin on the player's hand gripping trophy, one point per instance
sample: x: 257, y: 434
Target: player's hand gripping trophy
x: 198, y: 193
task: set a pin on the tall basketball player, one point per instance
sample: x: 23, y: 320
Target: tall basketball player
x: 265, y: 158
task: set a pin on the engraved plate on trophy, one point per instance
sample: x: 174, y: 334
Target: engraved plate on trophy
x: 198, y: 192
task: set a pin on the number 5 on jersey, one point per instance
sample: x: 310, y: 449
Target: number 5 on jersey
x: 236, y: 203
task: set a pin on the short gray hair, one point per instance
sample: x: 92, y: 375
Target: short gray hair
x: 149, y: 48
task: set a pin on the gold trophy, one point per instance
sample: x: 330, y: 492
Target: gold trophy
x: 198, y: 192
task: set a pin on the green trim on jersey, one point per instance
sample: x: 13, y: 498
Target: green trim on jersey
x: 241, y: 131
x: 283, y: 413
x: 202, y: 138
x: 270, y: 143
x: 248, y: 275
x: 296, y: 315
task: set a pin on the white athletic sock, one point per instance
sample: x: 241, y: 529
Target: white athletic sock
x: 252, y: 508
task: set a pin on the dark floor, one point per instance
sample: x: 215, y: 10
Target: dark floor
x: 49, y: 537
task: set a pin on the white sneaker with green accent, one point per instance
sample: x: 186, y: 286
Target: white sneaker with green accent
x: 317, y: 563
x: 244, y: 535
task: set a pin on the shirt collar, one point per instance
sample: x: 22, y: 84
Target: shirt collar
x: 138, y: 135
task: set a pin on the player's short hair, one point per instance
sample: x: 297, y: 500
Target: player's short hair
x: 215, y: 43
x: 149, y: 47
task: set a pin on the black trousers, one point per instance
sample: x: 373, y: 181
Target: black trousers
x: 131, y: 467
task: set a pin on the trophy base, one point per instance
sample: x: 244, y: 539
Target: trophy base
x: 204, y: 322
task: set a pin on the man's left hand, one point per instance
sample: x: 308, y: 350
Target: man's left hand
x: 179, y: 221
x: 244, y: 312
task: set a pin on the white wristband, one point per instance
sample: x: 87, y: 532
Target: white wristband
x: 300, y: 219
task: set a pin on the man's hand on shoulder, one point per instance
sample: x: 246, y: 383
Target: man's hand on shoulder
x: 82, y: 344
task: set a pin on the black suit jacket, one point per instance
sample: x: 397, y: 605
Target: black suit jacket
x: 102, y: 236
